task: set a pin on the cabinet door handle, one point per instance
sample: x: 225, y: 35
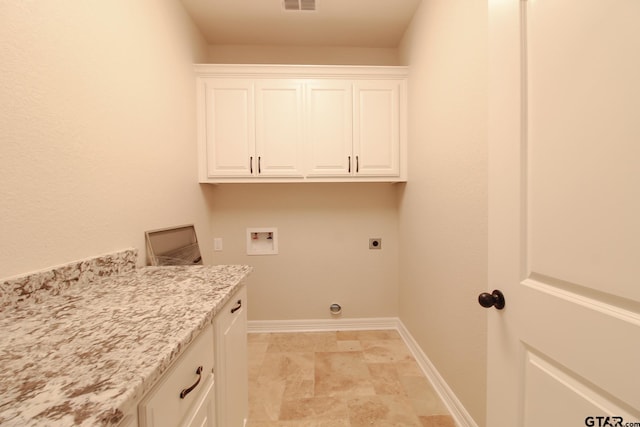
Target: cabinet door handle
x: 186, y: 391
x: 237, y: 307
x: 259, y: 167
x: 357, y: 164
x: 349, y: 164
x: 251, y: 165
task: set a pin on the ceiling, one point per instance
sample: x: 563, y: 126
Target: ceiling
x: 352, y: 23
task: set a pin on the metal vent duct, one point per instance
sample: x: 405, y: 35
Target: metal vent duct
x: 308, y: 5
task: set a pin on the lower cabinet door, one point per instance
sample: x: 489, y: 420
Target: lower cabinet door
x: 204, y: 411
x: 231, y: 362
x: 182, y: 387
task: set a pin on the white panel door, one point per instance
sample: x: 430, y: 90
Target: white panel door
x: 279, y: 128
x: 564, y: 213
x: 229, y: 127
x: 376, y: 125
x: 328, y: 128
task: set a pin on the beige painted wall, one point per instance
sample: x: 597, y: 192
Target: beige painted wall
x: 324, y: 255
x: 443, y: 208
x: 97, y: 128
x: 324, y: 228
x: 319, y: 55
x: 97, y: 125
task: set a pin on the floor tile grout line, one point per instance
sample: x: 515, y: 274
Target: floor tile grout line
x: 318, y: 347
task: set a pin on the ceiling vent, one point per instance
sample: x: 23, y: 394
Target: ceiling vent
x: 305, y: 5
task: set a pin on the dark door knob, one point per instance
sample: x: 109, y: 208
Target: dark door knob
x: 494, y: 299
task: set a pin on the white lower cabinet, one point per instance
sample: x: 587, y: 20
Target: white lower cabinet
x: 129, y: 420
x: 231, y: 362
x: 184, y: 387
x: 204, y: 411
x: 208, y: 385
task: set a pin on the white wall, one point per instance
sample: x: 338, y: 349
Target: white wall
x: 443, y: 208
x: 316, y: 55
x: 97, y: 128
x: 324, y: 255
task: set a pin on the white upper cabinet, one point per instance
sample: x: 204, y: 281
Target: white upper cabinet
x: 250, y: 127
x: 285, y: 123
x: 329, y: 129
x: 278, y: 111
x: 226, y: 128
x: 376, y: 125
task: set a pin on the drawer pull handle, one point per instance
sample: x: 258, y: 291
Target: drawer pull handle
x: 237, y: 307
x: 186, y: 391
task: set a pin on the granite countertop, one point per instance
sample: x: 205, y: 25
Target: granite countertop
x: 87, y: 355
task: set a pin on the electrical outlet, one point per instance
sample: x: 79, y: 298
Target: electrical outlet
x: 375, y: 243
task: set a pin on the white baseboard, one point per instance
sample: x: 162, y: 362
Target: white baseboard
x: 460, y: 415
x: 322, y: 325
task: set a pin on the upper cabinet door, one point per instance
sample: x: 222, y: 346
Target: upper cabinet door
x: 377, y: 127
x: 288, y: 123
x: 279, y: 128
x: 329, y: 130
x: 227, y: 132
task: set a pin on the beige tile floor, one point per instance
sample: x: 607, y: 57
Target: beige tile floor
x: 339, y: 379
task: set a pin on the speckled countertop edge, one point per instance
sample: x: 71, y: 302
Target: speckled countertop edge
x: 87, y: 355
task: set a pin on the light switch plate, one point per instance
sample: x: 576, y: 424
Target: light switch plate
x: 217, y: 244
